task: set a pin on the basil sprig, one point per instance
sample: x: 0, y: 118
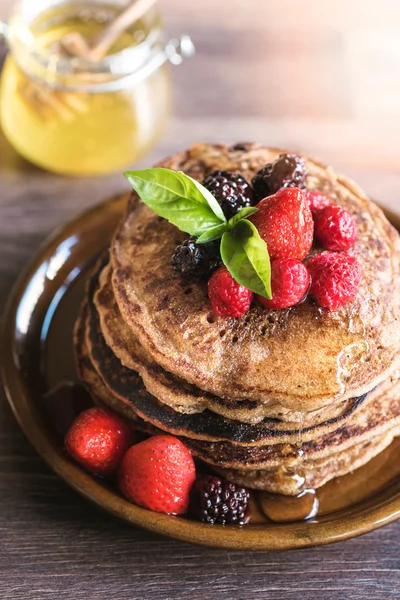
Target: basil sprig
x: 217, y: 232
x: 193, y: 209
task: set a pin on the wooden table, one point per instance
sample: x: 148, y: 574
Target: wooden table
x: 320, y: 77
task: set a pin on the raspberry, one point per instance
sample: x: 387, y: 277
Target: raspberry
x: 158, y: 474
x: 335, y: 228
x: 290, y: 282
x: 335, y: 279
x: 215, y: 500
x: 288, y: 171
x: 196, y: 261
x: 285, y: 223
x: 98, y: 440
x: 228, y: 298
x: 317, y: 201
x: 231, y: 190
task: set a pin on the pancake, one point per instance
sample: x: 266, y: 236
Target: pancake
x: 233, y: 443
x: 380, y: 418
x: 88, y: 375
x: 314, y: 473
x: 86, y: 371
x: 127, y: 385
x: 299, y: 358
x: 177, y: 393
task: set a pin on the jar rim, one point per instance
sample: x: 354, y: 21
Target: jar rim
x: 174, y: 51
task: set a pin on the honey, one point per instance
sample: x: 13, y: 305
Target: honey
x: 78, y: 118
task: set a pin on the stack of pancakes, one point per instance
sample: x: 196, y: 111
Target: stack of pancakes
x: 274, y: 400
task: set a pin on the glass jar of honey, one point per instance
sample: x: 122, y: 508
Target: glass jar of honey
x: 77, y: 116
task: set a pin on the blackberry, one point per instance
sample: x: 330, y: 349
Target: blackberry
x: 215, y: 500
x: 197, y: 262
x: 242, y: 147
x: 288, y: 170
x: 231, y: 191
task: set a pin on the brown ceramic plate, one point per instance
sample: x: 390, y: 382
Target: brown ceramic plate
x: 37, y: 357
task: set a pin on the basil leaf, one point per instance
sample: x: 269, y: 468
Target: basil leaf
x: 242, y: 214
x: 212, y: 234
x: 246, y: 257
x: 177, y: 198
x: 213, y: 202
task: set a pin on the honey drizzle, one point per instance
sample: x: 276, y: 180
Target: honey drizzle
x: 289, y: 509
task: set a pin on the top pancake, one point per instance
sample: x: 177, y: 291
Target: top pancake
x: 303, y: 357
x: 176, y: 392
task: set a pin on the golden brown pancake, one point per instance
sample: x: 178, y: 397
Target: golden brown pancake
x: 127, y: 385
x: 233, y: 443
x: 314, y: 474
x: 177, y: 393
x: 93, y: 383
x: 299, y: 358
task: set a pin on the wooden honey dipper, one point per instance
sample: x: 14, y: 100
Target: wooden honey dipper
x: 65, y: 104
x: 74, y: 44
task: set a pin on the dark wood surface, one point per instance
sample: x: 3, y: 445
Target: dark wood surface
x: 318, y: 77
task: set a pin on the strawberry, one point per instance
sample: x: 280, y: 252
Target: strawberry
x: 98, y: 440
x: 290, y: 282
x: 285, y: 223
x: 158, y: 474
x: 228, y: 298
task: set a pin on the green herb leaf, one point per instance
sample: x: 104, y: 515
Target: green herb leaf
x: 246, y: 257
x: 242, y: 214
x: 178, y: 198
x: 212, y: 234
x: 217, y: 232
x: 213, y: 203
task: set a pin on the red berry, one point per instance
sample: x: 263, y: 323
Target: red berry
x: 158, y: 474
x: 290, y: 281
x: 335, y: 279
x: 317, y: 201
x: 98, y: 440
x: 228, y: 298
x: 285, y: 223
x: 335, y: 228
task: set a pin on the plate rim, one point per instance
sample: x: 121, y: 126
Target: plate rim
x: 375, y: 512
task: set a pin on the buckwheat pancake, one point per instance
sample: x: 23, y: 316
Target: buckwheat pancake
x: 240, y: 442
x: 226, y: 443
x: 86, y: 371
x: 88, y: 375
x: 283, y: 478
x: 177, y: 393
x: 314, y: 474
x: 302, y: 358
x: 381, y: 418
